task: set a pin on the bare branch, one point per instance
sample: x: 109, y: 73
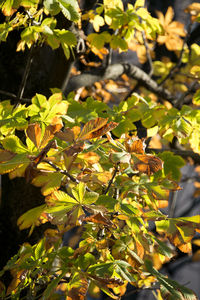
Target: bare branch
x: 25, y: 75
x: 148, y: 53
x: 13, y: 96
x: 113, y: 72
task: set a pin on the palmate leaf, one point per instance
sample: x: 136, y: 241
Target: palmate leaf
x: 170, y: 288
x: 179, y: 231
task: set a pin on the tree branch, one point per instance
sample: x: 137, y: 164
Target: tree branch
x: 25, y: 75
x: 113, y: 72
x: 13, y: 96
x: 72, y: 178
x: 111, y: 180
x: 183, y: 153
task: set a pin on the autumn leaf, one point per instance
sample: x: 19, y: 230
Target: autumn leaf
x: 78, y: 289
x: 145, y: 163
x: 49, y: 133
x: 99, y: 218
x: 96, y: 128
x: 135, y: 145
x: 30, y: 218
x: 173, y: 31
x: 34, y: 133
x: 194, y: 10
x: 6, y: 155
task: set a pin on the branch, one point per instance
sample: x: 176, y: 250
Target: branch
x: 111, y: 180
x: 148, y: 53
x: 72, y: 178
x: 13, y: 96
x: 25, y: 75
x: 183, y: 153
x: 113, y: 72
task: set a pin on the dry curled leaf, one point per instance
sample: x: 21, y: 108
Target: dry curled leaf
x: 135, y: 145
x: 148, y: 164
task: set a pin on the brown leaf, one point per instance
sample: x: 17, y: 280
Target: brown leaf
x: 96, y: 128
x: 49, y: 133
x: 110, y: 282
x: 31, y: 170
x: 6, y: 155
x: 75, y: 149
x: 67, y: 135
x: 135, y: 145
x: 78, y: 292
x: 193, y: 9
x: 34, y: 133
x: 147, y: 164
x: 99, y: 218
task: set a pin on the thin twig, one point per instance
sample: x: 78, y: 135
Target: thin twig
x: 179, y: 101
x: 173, y: 204
x: 72, y: 178
x: 13, y: 96
x: 25, y: 75
x: 148, y: 53
x: 134, y: 89
x: 111, y: 180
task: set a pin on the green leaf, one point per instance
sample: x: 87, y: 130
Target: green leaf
x: 99, y: 40
x: 52, y: 6
x: 172, y: 164
x: 102, y: 269
x: 69, y: 9
x: 39, y: 249
x: 121, y: 268
x: 196, y: 98
x: 170, y: 288
x: 79, y: 191
x: 86, y: 260
x: 107, y: 202
x: 66, y: 37
x: 90, y: 197
x: 118, y: 42
x: 7, y: 8
x: 14, y: 163
x: 51, y: 287
x: 163, y: 248
x: 49, y: 182
x: 13, y: 143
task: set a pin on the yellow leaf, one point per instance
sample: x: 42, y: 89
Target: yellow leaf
x: 30, y: 218
x: 98, y: 22
x: 112, y: 4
